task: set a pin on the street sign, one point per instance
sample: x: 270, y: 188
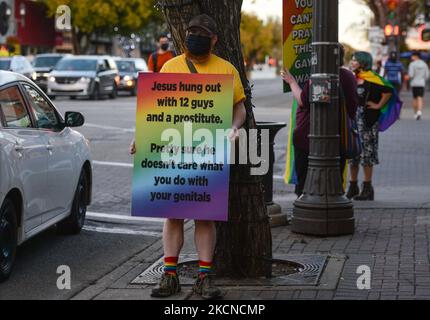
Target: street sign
x: 376, y: 35
x: 297, y: 39
x: 425, y: 33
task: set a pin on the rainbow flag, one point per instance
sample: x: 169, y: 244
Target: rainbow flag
x: 290, y: 170
x: 390, y: 113
x: 290, y: 176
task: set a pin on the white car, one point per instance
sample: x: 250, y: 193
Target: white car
x: 45, y: 167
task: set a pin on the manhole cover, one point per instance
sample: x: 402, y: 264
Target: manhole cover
x: 288, y: 270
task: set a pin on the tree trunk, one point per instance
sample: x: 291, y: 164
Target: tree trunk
x: 244, y: 244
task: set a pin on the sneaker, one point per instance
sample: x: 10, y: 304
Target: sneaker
x: 205, y: 289
x: 168, y: 286
x: 418, y: 115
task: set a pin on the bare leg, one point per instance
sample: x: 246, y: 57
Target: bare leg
x: 354, y: 170
x: 420, y: 104
x: 415, y: 105
x: 368, y: 172
x: 205, y: 239
x: 173, y: 237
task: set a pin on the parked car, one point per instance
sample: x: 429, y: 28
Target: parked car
x: 129, y: 69
x: 45, y: 167
x: 88, y: 76
x: 18, y: 64
x: 43, y: 64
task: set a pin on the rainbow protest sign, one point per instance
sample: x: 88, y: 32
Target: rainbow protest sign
x: 297, y: 39
x: 181, y: 166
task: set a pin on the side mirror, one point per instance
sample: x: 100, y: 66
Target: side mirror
x: 74, y: 119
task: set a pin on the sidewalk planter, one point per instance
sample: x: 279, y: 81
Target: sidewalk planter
x: 274, y: 210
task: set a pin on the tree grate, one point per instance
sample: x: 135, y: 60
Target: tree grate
x: 302, y: 270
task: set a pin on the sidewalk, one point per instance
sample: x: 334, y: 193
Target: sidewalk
x: 392, y: 237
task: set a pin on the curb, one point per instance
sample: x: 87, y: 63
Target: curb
x: 121, y: 219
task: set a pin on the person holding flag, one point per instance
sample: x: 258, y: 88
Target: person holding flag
x: 298, y: 143
x: 379, y: 107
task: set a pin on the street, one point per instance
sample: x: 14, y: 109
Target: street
x: 110, y: 236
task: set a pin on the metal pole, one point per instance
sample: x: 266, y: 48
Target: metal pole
x: 323, y: 209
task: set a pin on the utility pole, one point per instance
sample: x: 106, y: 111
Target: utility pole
x: 323, y: 209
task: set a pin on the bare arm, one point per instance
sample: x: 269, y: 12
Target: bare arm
x: 239, y: 118
x: 239, y: 115
x: 295, y: 88
x: 377, y: 106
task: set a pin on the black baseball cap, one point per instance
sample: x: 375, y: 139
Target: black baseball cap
x: 203, y: 21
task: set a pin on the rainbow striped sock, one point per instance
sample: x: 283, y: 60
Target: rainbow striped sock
x: 170, y: 265
x: 204, y: 267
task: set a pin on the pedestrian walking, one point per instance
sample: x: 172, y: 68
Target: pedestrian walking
x: 394, y: 71
x: 201, y: 37
x: 158, y: 58
x: 374, y: 93
x: 348, y: 99
x: 418, y: 74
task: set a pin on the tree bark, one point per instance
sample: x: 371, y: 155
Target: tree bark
x: 244, y: 244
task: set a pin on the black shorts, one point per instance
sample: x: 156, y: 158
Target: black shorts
x: 418, y: 92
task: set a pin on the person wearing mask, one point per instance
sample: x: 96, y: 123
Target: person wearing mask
x: 372, y: 98
x: 161, y: 56
x: 201, y: 38
x: 418, y: 74
x: 347, y: 95
x: 393, y: 71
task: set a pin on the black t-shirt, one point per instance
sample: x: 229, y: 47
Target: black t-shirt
x: 369, y: 91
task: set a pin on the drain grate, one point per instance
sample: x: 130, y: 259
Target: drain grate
x: 309, y: 270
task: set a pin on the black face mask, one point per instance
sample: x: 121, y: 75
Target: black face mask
x: 198, y: 45
x: 164, y: 46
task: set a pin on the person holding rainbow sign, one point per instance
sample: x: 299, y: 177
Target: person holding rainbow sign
x: 201, y: 37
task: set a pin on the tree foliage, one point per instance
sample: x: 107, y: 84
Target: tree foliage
x: 102, y: 16
x: 260, y: 39
x: 407, y: 9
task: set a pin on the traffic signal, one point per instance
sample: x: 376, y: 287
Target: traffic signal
x: 391, y: 30
x: 392, y: 4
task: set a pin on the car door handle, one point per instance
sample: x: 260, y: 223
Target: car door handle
x: 49, y: 147
x: 19, y: 148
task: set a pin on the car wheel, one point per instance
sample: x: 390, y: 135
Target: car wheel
x: 74, y: 223
x: 95, y: 95
x: 114, y: 93
x: 8, y: 239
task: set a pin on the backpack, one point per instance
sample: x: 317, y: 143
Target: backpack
x: 155, y: 61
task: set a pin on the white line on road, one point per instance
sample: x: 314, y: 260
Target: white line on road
x: 113, y: 164
x: 98, y: 126
x: 119, y: 217
x: 122, y: 231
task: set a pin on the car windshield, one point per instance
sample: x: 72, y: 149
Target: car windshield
x: 125, y: 66
x: 5, y: 64
x: 76, y: 65
x: 46, y: 62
